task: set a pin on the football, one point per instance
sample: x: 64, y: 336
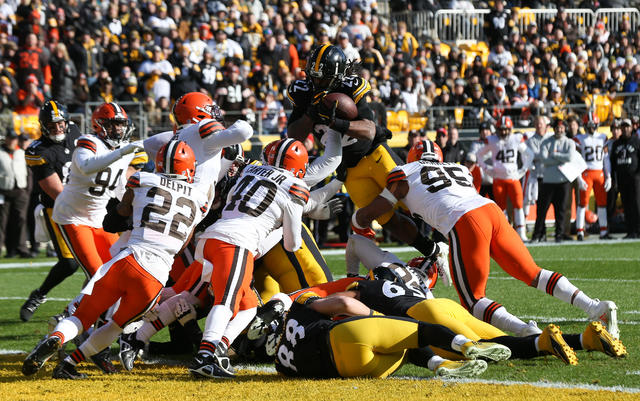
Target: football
x: 346, y: 108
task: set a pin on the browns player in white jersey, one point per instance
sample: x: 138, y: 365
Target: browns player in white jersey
x: 165, y: 208
x: 263, y: 199
x: 99, y: 171
x: 505, y: 148
x: 597, y: 176
x: 442, y: 194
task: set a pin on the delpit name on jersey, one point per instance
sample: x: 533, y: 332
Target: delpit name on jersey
x: 261, y: 172
x: 176, y: 185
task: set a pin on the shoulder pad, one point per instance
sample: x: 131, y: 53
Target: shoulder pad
x: 356, y: 87
x: 298, y: 91
x: 299, y: 192
x: 395, y: 176
x: 34, y: 155
x: 208, y: 127
x: 134, y: 181
x: 87, y: 143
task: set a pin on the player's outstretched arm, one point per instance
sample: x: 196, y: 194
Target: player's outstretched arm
x: 88, y: 162
x: 323, y: 166
x: 381, y: 204
x: 340, y: 305
x: 292, y: 226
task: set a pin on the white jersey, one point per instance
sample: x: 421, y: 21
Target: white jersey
x: 207, y: 138
x: 592, y: 149
x: 504, y: 155
x: 85, y: 196
x: 440, y: 193
x: 165, y: 211
x: 263, y: 199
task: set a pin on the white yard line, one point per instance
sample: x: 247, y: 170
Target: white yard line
x: 26, y: 264
x: 556, y: 319
x: 602, y: 280
x: 24, y: 299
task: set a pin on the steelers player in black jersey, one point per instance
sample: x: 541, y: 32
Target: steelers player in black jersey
x: 50, y: 159
x: 388, y: 294
x: 366, y: 158
x: 313, y: 345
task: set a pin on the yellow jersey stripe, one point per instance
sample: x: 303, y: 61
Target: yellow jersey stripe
x: 363, y: 92
x: 35, y: 162
x: 316, y: 67
x: 291, y: 99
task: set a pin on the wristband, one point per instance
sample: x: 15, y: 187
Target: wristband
x: 389, y: 196
x: 341, y: 125
x: 355, y: 222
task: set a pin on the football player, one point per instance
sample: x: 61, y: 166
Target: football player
x: 597, y: 176
x: 366, y: 158
x: 505, y: 148
x: 313, y: 345
x: 263, y: 199
x: 49, y: 159
x: 442, y: 194
x: 165, y: 207
x: 101, y: 164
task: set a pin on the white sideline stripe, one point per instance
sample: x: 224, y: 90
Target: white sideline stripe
x: 555, y: 385
x: 26, y: 264
x: 11, y: 352
x: 633, y: 372
x: 24, y: 299
x: 604, y: 280
x: 551, y: 319
x: 635, y: 312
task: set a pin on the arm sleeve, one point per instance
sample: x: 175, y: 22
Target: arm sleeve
x: 88, y: 162
x: 326, y: 164
x: 292, y: 226
x: 152, y: 145
x: 321, y: 195
x: 239, y: 132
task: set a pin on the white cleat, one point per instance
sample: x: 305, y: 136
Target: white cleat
x: 606, y: 312
x: 531, y: 329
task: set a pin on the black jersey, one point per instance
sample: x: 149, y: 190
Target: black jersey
x: 46, y: 157
x: 300, y: 94
x: 304, y: 349
x: 384, y: 296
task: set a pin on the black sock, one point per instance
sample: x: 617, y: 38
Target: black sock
x: 434, y: 334
x: 521, y: 347
x: 420, y: 356
x: 573, y: 340
x: 58, y: 273
x: 426, y: 247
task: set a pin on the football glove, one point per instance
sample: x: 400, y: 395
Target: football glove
x: 607, y: 184
x: 327, y: 211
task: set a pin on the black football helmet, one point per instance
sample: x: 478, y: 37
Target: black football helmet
x: 326, y: 67
x: 53, y: 112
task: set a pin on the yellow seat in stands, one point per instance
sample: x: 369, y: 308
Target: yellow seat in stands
x: 392, y: 121
x: 403, y: 120
x: 459, y: 115
x: 417, y: 122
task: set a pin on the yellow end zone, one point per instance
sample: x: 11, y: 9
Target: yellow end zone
x: 162, y: 382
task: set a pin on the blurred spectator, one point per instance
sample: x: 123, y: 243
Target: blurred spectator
x: 81, y: 94
x: 157, y: 75
x: 130, y: 93
x: 625, y: 164
x: 31, y: 98
x: 15, y: 197
x: 453, y: 152
x: 232, y: 93
x: 30, y: 61
x: 8, y: 102
x: 348, y: 49
x: 63, y: 73
x: 270, y: 110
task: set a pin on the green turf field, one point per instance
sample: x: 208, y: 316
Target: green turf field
x: 604, y: 270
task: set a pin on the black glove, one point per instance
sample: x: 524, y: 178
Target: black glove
x: 319, y: 113
x: 232, y: 152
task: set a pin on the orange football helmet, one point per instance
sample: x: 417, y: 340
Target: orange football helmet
x: 425, y: 150
x: 111, y: 123
x: 177, y: 160
x: 504, y: 126
x: 288, y: 154
x: 193, y: 107
x: 591, y: 122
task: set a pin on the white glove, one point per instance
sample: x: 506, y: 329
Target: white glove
x: 582, y: 184
x: 607, y: 184
x: 184, y: 311
x: 326, y: 211
x: 442, y: 264
x: 131, y: 148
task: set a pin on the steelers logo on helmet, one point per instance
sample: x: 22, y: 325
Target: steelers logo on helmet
x: 288, y: 154
x: 111, y: 123
x: 326, y: 67
x: 177, y: 160
x: 54, y: 121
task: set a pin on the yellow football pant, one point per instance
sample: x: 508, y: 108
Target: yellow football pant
x: 453, y: 316
x: 372, y: 346
x: 59, y: 243
x: 368, y: 178
x: 282, y: 271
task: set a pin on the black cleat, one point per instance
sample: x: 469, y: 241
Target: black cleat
x: 210, y: 366
x: 66, y: 370
x: 45, y: 349
x: 130, y: 349
x: 272, y: 310
x: 31, y: 304
x: 103, y: 361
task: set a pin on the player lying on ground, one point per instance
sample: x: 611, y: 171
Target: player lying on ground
x: 442, y: 194
x: 165, y: 208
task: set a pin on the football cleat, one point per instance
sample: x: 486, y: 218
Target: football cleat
x: 103, y: 361
x: 66, y: 370
x: 470, y: 368
x: 552, y: 342
x: 130, y: 349
x: 580, y: 237
x: 606, y: 312
x: 31, y: 304
x: 271, y: 311
x: 530, y: 329
x: 209, y: 366
x: 45, y: 349
x: 485, y: 350
x: 596, y: 338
